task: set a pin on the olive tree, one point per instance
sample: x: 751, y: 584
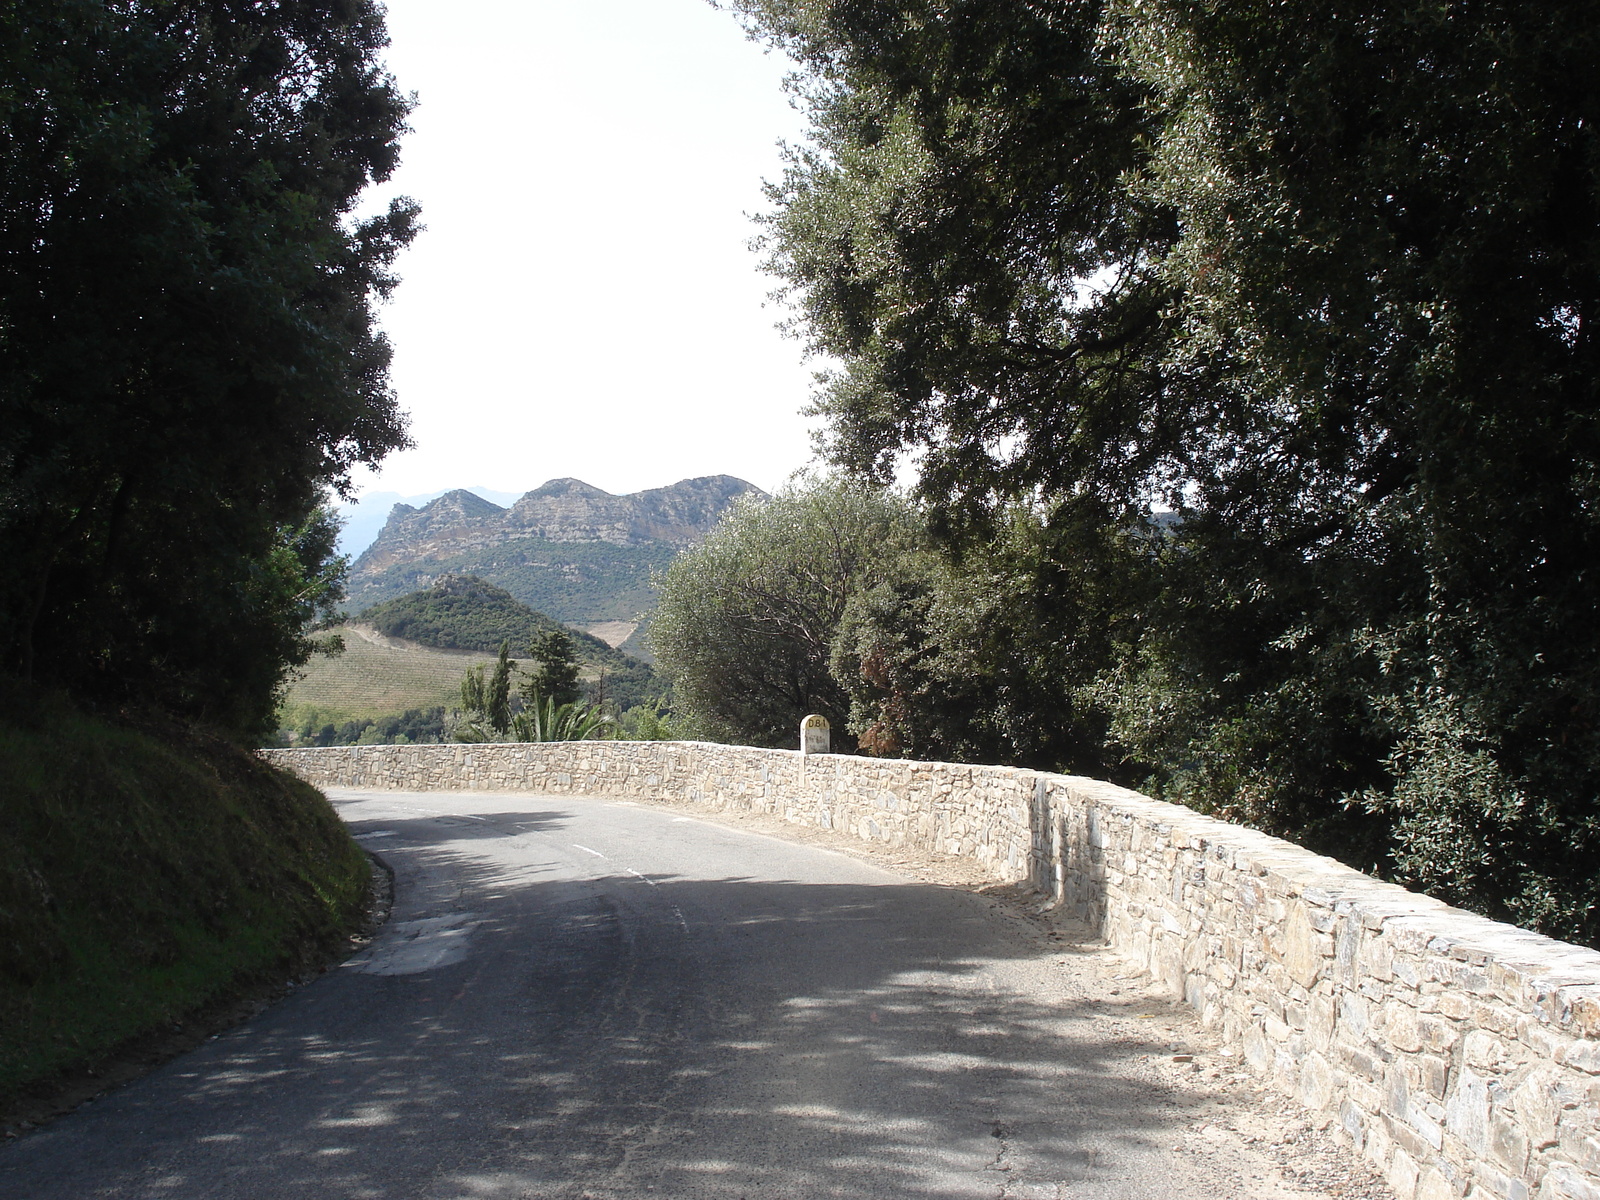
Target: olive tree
x: 748, y: 617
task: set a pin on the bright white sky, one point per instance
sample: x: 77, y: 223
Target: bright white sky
x: 583, y: 301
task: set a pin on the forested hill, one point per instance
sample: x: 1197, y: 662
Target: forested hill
x: 568, y: 549
x: 463, y: 612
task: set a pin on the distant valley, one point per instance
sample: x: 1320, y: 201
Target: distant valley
x: 567, y: 549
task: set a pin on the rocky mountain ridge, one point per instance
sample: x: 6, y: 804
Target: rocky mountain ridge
x: 566, y: 548
x: 562, y: 510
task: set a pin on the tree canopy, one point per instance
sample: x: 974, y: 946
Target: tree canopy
x: 188, y: 352
x: 748, y: 617
x: 555, y: 678
x: 1322, y: 281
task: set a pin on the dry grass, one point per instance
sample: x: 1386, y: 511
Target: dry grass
x: 373, y: 679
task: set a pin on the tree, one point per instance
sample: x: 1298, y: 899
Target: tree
x: 555, y: 679
x: 747, y: 618
x: 986, y: 657
x: 1322, y: 279
x: 188, y: 353
x: 497, y: 697
x: 486, y: 702
x: 963, y: 186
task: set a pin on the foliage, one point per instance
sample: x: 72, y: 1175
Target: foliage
x: 578, y: 582
x: 148, y: 874
x: 485, y: 714
x: 635, y: 684
x: 497, y: 707
x: 646, y: 723
x: 1322, y: 279
x: 188, y: 354
x: 556, y: 677
x: 986, y: 658
x: 418, y: 726
x: 746, y: 621
x: 489, y: 713
x: 544, y: 719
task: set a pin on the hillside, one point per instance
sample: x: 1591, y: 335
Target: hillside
x: 149, y: 876
x: 572, y: 551
x: 410, y: 653
x: 464, y: 612
x: 375, y: 677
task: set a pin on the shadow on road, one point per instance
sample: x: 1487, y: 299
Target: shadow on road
x: 635, y: 1034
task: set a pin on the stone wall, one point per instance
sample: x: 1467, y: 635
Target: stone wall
x: 1461, y: 1055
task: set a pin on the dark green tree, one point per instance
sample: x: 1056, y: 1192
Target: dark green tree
x: 747, y: 619
x: 989, y: 656
x: 555, y: 679
x: 485, y: 714
x: 1323, y: 279
x: 188, y: 353
x: 497, y: 697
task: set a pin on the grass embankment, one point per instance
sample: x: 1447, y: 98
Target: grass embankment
x: 145, y: 879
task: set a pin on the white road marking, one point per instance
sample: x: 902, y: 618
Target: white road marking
x: 586, y: 850
x: 677, y: 912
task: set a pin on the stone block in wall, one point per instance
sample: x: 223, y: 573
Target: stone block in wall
x: 1467, y: 1110
x: 1509, y: 1144
x: 1318, y: 1089
x: 1582, y: 1056
x: 1564, y: 1182
x: 1403, y: 1175
x: 1434, y: 1184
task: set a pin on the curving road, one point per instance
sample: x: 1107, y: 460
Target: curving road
x: 575, y: 998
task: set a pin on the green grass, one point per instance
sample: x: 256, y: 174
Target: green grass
x: 146, y: 877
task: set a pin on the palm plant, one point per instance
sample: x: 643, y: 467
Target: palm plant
x: 543, y: 720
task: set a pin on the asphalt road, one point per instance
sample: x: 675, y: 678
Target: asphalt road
x: 577, y: 998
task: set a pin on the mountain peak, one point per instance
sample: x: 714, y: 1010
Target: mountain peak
x: 567, y: 486
x: 567, y: 547
x: 461, y: 503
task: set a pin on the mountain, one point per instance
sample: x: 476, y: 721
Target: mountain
x: 362, y: 520
x: 573, y: 551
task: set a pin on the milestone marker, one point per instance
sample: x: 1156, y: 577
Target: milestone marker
x: 814, y: 735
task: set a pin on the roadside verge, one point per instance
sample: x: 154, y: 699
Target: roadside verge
x: 156, y: 887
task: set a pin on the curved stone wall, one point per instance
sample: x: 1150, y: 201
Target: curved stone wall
x: 1461, y: 1055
